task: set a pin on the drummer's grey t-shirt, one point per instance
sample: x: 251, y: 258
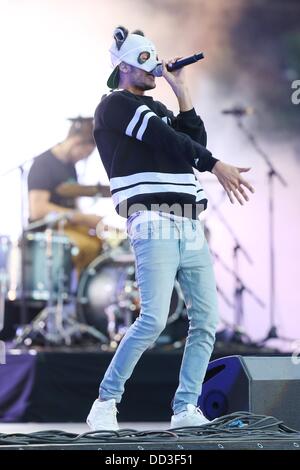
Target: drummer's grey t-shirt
x: 47, y: 172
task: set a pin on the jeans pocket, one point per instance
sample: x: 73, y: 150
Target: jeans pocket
x: 164, y: 229
x: 141, y: 231
x: 130, y: 219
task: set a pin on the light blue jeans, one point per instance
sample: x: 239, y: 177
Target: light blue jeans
x: 166, y: 249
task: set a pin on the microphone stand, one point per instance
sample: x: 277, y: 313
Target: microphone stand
x: 21, y: 169
x: 4, y: 253
x: 272, y: 173
x: 237, y: 278
x: 240, y: 287
x: 231, y: 232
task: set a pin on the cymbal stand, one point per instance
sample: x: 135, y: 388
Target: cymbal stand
x: 240, y: 287
x: 4, y: 252
x: 239, y: 311
x: 272, y: 174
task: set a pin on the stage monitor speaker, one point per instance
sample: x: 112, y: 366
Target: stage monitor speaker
x: 262, y: 385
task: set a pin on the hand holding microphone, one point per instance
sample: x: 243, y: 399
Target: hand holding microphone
x: 173, y: 73
x: 177, y: 64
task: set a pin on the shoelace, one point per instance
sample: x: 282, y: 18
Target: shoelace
x: 114, y: 409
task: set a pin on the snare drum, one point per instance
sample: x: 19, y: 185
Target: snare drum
x: 43, y: 273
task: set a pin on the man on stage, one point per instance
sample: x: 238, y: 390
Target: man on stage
x: 149, y: 155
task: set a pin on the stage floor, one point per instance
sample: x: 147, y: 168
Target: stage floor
x: 181, y: 441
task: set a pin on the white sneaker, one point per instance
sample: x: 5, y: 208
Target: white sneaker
x: 103, y: 416
x: 192, y: 416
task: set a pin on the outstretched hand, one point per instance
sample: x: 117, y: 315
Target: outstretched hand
x: 232, y: 181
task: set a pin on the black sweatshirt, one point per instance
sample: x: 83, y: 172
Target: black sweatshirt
x: 149, y: 155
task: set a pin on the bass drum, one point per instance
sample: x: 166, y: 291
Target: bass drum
x: 108, y: 296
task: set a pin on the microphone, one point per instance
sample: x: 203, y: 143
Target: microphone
x: 157, y: 71
x: 239, y: 111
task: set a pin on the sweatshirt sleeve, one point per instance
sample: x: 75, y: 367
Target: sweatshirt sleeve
x: 191, y: 124
x: 125, y: 114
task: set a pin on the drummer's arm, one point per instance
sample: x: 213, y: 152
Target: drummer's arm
x: 40, y: 206
x: 73, y: 190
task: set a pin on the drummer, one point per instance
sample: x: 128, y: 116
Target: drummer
x: 53, y: 187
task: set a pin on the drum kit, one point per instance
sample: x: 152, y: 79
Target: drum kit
x: 101, y: 305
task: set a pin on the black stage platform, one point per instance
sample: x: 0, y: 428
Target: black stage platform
x: 59, y: 385
x: 179, y: 446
